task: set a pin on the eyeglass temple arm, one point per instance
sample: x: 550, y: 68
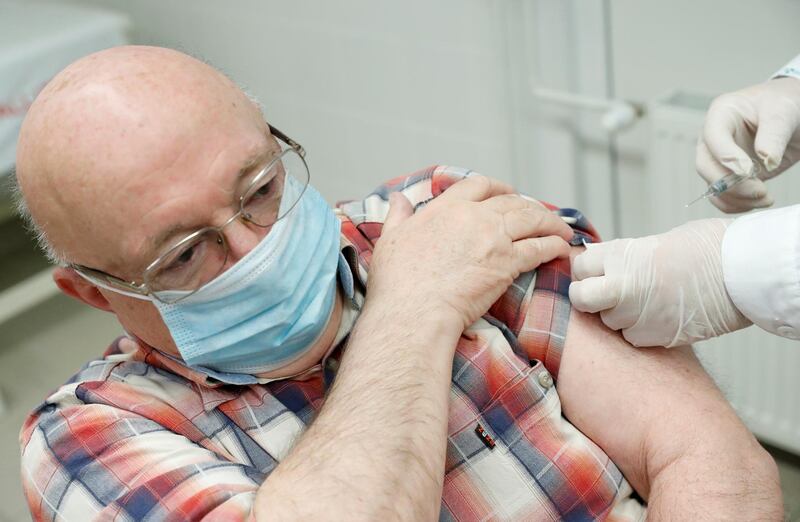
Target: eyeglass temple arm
x: 286, y: 139
x: 98, y: 278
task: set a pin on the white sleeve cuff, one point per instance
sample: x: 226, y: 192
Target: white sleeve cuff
x: 761, y: 267
x: 790, y: 69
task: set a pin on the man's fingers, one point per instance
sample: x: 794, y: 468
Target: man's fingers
x: 530, y: 253
x: 595, y: 294
x: 724, y: 121
x: 526, y: 217
x: 529, y: 222
x: 533, y: 201
x: 509, y: 202
x: 476, y: 188
x: 400, y: 209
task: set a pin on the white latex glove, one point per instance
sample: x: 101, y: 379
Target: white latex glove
x: 662, y: 290
x: 763, y: 122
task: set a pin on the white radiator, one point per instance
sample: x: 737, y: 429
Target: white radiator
x: 758, y: 372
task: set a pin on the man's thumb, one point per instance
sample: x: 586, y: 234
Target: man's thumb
x: 400, y: 209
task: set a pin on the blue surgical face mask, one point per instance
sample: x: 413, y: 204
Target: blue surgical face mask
x: 267, y: 310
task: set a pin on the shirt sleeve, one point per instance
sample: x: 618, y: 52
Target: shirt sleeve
x: 761, y: 268
x: 534, y: 311
x: 790, y: 69
x: 92, y: 461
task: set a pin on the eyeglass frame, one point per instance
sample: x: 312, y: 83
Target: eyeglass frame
x: 142, y: 290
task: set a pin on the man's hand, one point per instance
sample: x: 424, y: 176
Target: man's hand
x: 377, y: 448
x: 459, y: 254
x: 662, y: 290
x: 762, y: 121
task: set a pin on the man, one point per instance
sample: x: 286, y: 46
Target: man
x: 169, y: 202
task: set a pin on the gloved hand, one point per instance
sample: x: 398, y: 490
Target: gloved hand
x: 661, y: 290
x: 763, y: 122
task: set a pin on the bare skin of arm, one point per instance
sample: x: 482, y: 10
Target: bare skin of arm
x: 666, y: 425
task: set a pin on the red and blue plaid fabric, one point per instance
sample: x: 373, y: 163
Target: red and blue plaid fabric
x: 137, y: 435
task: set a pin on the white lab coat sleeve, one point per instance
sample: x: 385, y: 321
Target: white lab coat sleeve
x: 790, y: 69
x: 761, y: 268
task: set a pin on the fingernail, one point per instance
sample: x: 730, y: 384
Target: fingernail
x: 771, y: 163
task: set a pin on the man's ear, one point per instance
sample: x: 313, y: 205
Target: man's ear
x: 72, y: 284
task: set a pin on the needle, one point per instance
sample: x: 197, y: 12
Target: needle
x: 721, y: 185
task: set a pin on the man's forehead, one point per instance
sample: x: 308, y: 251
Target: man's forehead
x: 232, y: 183
x: 89, y: 173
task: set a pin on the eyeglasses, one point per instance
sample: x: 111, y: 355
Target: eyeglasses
x: 200, y: 257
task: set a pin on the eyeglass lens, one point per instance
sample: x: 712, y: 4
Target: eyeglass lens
x: 193, y: 263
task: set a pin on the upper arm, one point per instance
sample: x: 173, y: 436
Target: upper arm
x: 90, y: 461
x: 644, y: 407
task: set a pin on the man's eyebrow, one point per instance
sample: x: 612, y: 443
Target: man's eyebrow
x: 247, y: 166
x: 253, y: 161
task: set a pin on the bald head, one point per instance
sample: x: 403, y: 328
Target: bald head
x: 104, y: 143
x: 128, y: 152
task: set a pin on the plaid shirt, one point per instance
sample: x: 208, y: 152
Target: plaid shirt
x: 138, y: 435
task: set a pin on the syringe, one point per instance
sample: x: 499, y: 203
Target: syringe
x: 721, y: 185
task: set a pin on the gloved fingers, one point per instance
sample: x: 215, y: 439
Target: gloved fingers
x: 649, y: 330
x: 706, y: 165
x: 749, y: 194
x: 731, y: 206
x: 641, y: 337
x: 727, y: 120
x: 731, y: 200
x: 777, y: 123
x: 619, y: 317
x: 590, y: 262
x: 595, y: 294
